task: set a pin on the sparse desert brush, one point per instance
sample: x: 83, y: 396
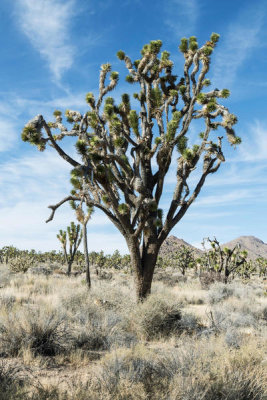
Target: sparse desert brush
x: 137, y: 368
x: 219, y: 291
x: 193, y: 369
x: 44, y: 332
x: 12, y: 382
x: 157, y: 349
x: 159, y: 317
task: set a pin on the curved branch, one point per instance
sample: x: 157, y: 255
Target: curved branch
x: 55, y: 207
x: 59, y: 149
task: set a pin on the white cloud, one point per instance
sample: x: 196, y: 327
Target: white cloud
x: 8, y: 134
x: 237, y: 45
x: 46, y: 24
x: 254, y: 146
x: 181, y: 16
x: 38, y: 175
x: 237, y: 196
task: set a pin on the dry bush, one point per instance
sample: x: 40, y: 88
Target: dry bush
x: 44, y: 332
x: 219, y: 292
x: 135, y: 372
x: 207, y: 278
x: 12, y: 382
x: 160, y: 317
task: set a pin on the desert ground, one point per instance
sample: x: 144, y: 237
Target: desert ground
x: 187, y: 341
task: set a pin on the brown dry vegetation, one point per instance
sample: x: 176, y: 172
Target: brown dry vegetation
x: 59, y: 341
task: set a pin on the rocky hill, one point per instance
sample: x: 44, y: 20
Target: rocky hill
x: 254, y: 246
x: 172, y: 243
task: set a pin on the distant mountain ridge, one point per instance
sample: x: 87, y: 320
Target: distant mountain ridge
x: 172, y: 243
x: 254, y: 246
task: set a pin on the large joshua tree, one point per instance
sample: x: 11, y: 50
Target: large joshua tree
x: 125, y: 153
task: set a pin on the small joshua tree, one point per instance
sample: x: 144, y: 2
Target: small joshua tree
x: 261, y: 266
x: 183, y: 259
x: 125, y: 153
x: 226, y: 262
x: 83, y: 219
x: 74, y: 238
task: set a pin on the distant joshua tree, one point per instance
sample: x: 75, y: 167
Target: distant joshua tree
x: 73, y: 237
x: 83, y: 218
x: 125, y: 153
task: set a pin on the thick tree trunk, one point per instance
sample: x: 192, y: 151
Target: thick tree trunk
x: 69, y: 267
x: 86, y: 257
x: 143, y: 267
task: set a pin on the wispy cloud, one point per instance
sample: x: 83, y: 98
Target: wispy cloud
x: 8, y: 134
x: 181, y: 16
x: 46, y: 24
x: 234, y: 197
x: 254, y: 146
x: 238, y: 44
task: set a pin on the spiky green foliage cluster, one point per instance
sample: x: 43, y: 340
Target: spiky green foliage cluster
x: 114, y: 75
x: 133, y: 121
x: 57, y: 113
x: 182, y: 144
x: 206, y: 82
x: 193, y: 45
x: 120, y: 55
x: 225, y: 93
x: 184, y: 45
x: 201, y: 98
x: 214, y: 37
x: 90, y: 99
x: 152, y: 48
x: 212, y: 105
x: 123, y: 208
x: 81, y: 147
x: 207, y: 51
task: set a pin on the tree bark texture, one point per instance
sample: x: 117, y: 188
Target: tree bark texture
x: 86, y: 257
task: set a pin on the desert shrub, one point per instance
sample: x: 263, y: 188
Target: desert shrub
x: 45, y: 333
x: 102, y: 331
x: 226, y: 383
x: 12, y: 382
x: 7, y: 301
x: 219, y: 292
x: 207, y: 278
x: 170, y: 279
x: 135, y: 372
x: 242, y: 320
x: 156, y: 318
x: 50, y: 393
x: 233, y: 338
x: 224, y: 317
x: 92, y: 337
x: 264, y: 313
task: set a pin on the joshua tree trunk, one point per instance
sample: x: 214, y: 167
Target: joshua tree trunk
x: 70, y: 262
x: 86, y: 257
x: 143, y: 264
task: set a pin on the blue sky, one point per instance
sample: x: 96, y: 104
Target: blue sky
x: 50, y: 57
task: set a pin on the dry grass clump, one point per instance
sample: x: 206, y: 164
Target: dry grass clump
x: 160, y: 317
x: 44, y: 332
x: 12, y: 382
